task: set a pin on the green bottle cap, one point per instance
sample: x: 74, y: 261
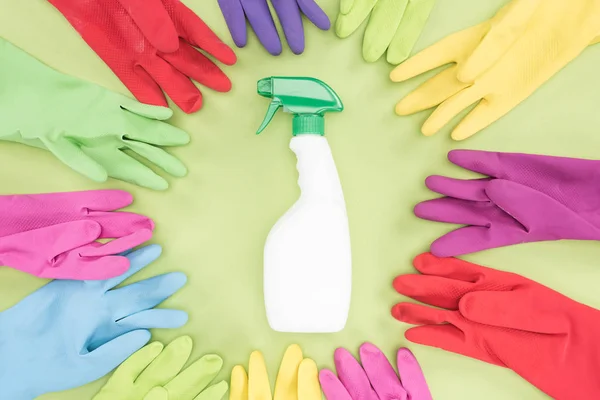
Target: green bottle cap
x: 307, y: 98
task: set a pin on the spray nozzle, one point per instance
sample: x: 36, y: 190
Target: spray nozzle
x: 307, y: 98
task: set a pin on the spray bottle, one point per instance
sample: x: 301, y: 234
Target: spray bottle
x: 307, y: 258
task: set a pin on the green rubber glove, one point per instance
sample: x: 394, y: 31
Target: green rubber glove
x: 155, y: 373
x: 394, y: 25
x: 84, y: 125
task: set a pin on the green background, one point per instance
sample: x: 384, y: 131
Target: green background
x: 213, y: 223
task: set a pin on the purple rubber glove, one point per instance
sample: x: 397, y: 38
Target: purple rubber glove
x: 526, y: 198
x: 258, y: 14
x: 55, y: 235
x: 376, y: 378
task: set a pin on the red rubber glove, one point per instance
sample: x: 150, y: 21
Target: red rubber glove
x: 506, y: 320
x: 151, y: 46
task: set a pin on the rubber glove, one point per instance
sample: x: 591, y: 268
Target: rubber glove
x: 124, y: 33
x: 394, y: 25
x: 69, y: 333
x: 376, y: 378
x: 297, y: 378
x: 498, y: 63
x: 159, y: 370
x: 91, y: 128
x: 64, y: 228
x: 506, y: 320
x: 259, y: 16
x: 524, y: 198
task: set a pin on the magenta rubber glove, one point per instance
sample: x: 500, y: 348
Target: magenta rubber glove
x: 524, y: 198
x: 376, y: 378
x: 54, y: 235
x: 258, y: 14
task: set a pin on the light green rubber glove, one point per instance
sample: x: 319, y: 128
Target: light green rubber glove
x: 394, y: 25
x: 155, y: 373
x: 84, y: 125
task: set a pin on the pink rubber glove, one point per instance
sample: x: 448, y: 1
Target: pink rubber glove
x: 376, y: 378
x: 54, y: 235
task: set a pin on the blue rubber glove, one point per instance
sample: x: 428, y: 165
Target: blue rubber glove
x: 69, y: 333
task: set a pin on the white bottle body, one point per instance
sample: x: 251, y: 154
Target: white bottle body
x: 308, y: 261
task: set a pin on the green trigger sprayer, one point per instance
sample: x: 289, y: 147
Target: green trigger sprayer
x: 307, y: 98
x: 308, y: 261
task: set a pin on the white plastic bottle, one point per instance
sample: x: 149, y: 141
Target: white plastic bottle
x: 307, y: 258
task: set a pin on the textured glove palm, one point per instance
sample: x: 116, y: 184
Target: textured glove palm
x: 498, y: 63
x: 524, y: 198
x: 506, y: 320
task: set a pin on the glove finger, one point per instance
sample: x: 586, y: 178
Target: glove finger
x: 198, y: 34
x: 154, y: 132
x: 451, y: 108
x: 198, y: 67
x: 452, y: 268
x: 134, y: 366
x: 431, y: 93
x: 471, y: 189
x: 383, y: 24
x: 413, y: 379
x: 195, y: 378
x: 417, y: 314
x: 286, y: 384
x: 147, y: 111
x: 123, y: 167
x: 449, y: 338
x: 235, y: 18
x: 482, y: 116
x: 154, y: 319
x: 118, y: 224
x: 473, y: 239
x: 433, y: 290
x: 353, y: 376
x: 308, y: 381
x: 381, y: 374
x: 154, y: 22
x: 262, y: 23
x: 408, y: 32
x: 118, y: 245
x: 176, y: 85
x: 346, y: 24
x: 507, y: 27
x: 483, y: 162
x: 451, y: 49
x: 510, y: 309
x: 169, y: 362
x: 332, y: 387
x: 76, y: 159
x: 458, y: 211
x: 138, y: 260
x: 258, y: 378
x: 147, y: 91
x: 215, y: 392
x: 159, y: 157
x: 78, y: 268
x: 291, y: 22
x: 144, y: 295
x: 239, y: 384
x: 346, y: 6
x: 315, y: 14
x: 108, y: 356
x: 157, y: 393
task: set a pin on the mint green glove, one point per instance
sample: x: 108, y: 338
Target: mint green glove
x: 155, y: 373
x: 85, y: 126
x: 394, y: 25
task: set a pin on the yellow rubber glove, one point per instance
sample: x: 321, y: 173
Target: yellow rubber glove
x: 498, y: 63
x: 298, y: 379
